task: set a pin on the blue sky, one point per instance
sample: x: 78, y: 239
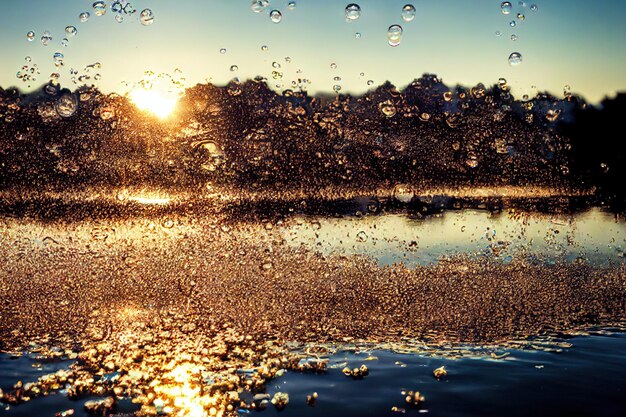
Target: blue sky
x: 565, y: 42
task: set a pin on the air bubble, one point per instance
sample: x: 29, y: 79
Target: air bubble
x: 66, y: 105
x: 222, y: 51
x: 408, y: 12
x: 276, y: 16
x: 506, y: 7
x: 99, y: 8
x: 515, y: 59
x: 146, y: 17
x: 394, y: 35
x: 30, y: 36
x: 234, y: 68
x: 119, y: 18
x: 521, y: 16
x: 258, y: 6
x: 291, y: 5
x: 65, y: 42
x: 514, y: 37
x: 264, y: 48
x: 83, y: 17
x: 353, y: 12
x: 387, y: 108
x: 533, y: 7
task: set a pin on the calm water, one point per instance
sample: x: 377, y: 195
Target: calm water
x: 588, y: 379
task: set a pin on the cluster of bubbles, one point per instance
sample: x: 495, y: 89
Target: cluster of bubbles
x: 259, y: 6
x: 506, y: 7
x: 394, y: 32
x: 28, y: 73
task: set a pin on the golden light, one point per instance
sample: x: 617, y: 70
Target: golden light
x: 159, y: 103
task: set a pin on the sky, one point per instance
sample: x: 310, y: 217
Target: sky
x: 572, y: 43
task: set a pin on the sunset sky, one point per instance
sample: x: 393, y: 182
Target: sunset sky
x: 564, y: 42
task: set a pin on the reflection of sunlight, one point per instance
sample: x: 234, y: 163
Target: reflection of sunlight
x: 159, y: 103
x: 181, y: 389
x: 149, y: 200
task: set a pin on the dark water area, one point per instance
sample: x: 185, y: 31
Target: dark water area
x: 588, y: 379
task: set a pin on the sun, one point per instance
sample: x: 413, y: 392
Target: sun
x: 160, y: 103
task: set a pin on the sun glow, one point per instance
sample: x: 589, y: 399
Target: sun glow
x: 159, y: 103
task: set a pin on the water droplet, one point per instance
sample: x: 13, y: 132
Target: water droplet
x: 361, y: 236
x: 83, y: 17
x: 222, y: 50
x: 30, y: 36
x: 58, y: 59
x: 498, y: 33
x: 447, y: 96
x: 275, y: 64
x: 27, y: 59
x: 233, y: 68
x: 337, y: 78
x: 408, y: 12
x: 514, y: 37
x: 520, y: 16
x: 512, y: 23
x: 97, y: 77
x: 71, y: 30
x: 370, y: 82
x: 258, y: 6
x: 291, y: 5
x: 336, y: 88
x: 45, y: 38
x: 353, y: 12
x: 521, y: 3
x: 387, y: 108
x: 333, y: 66
x: 533, y: 7
x: 129, y: 9
x: 506, y: 7
x: 65, y: 42
x: 66, y: 105
x: 394, y: 35
x: 515, y: 59
x: 99, y: 8
x: 264, y: 48
x: 276, y: 16
x: 146, y: 17
x: 119, y: 18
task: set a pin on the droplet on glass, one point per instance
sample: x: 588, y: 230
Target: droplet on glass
x: 357, y: 35
x: 119, y: 18
x: 394, y: 35
x: 353, y: 12
x: 233, y: 68
x: 65, y: 42
x: 533, y: 7
x: 222, y: 51
x: 291, y: 5
x: 514, y: 37
x: 83, y: 17
x: 498, y: 33
x: 408, y: 12
x: 276, y: 16
x: 30, y: 36
x: 333, y: 66
x: 521, y: 16
x: 71, y: 30
x: 99, y: 8
x: 258, y: 6
x: 146, y: 17
x: 506, y: 7
x: 515, y: 59
x: 336, y: 88
x: 512, y: 23
x: 66, y: 105
x: 264, y: 48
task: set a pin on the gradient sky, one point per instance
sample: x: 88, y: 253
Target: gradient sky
x: 566, y: 42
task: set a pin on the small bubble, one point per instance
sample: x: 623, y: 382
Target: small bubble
x: 27, y: 59
x: 357, y: 35
x: 146, y: 17
x: 258, y: 6
x: 99, y: 8
x: 533, y: 7
x: 276, y: 16
x: 117, y: 7
x: 291, y: 5
x: 515, y: 59
x: 264, y: 48
x: 222, y: 51
x: 83, y: 17
x: 97, y: 77
x: 498, y: 33
x: 394, y: 35
x: 353, y: 12
x: 336, y: 88
x: 506, y: 7
x: 514, y: 37
x: 119, y: 18
x: 168, y: 223
x: 66, y: 105
x: 408, y: 12
x: 333, y: 66
x: 337, y: 78
x: 65, y: 42
x: 58, y: 59
x: 387, y: 108
x: 275, y: 64
x: 233, y: 68
x: 512, y: 23
x: 370, y: 82
x: 361, y: 236
x: 447, y: 96
x: 30, y: 36
x: 521, y: 16
x: 71, y: 30
x: 45, y: 38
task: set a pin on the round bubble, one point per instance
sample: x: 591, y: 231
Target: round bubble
x: 394, y: 35
x: 353, y: 12
x: 276, y: 16
x: 264, y: 48
x: 234, y: 68
x: 291, y: 5
x: 506, y: 7
x: 258, y: 6
x: 71, y: 30
x: 65, y: 42
x: 119, y: 18
x: 99, y: 8
x: 30, y: 36
x: 83, y: 17
x: 146, y: 17
x: 357, y: 35
x: 515, y: 59
x: 408, y: 12
x: 66, y: 105
x: 533, y: 7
